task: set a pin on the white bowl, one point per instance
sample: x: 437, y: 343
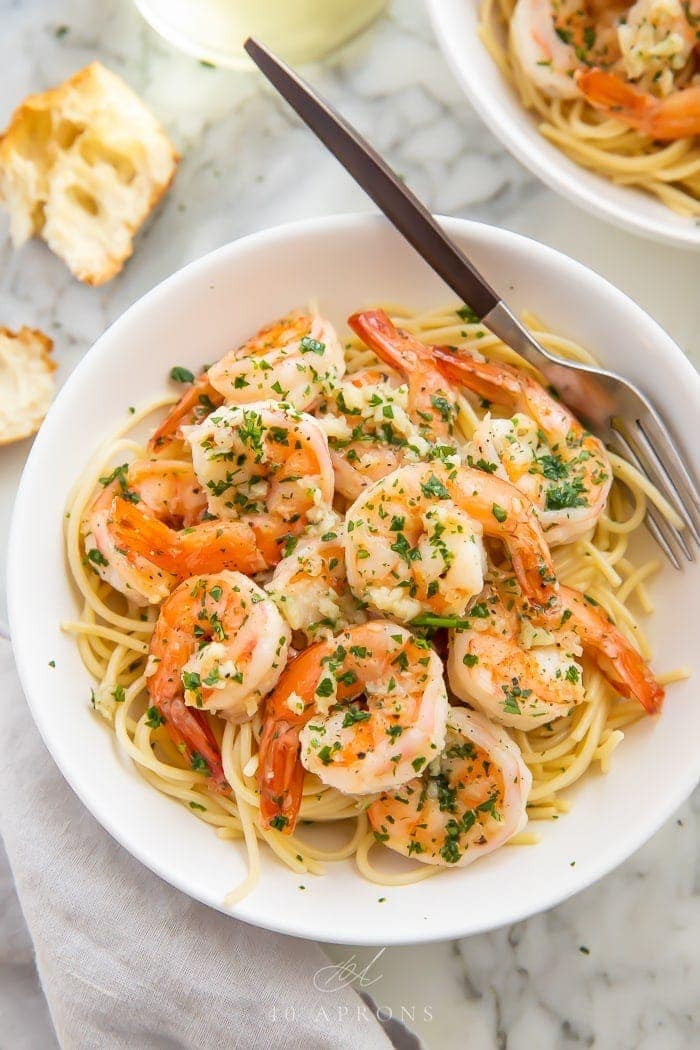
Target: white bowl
x: 194, y: 316
x: 499, y: 106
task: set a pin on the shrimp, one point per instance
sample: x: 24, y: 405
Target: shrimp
x: 431, y: 402
x: 169, y: 492
x: 523, y: 670
x: 552, y: 39
x: 198, y: 400
x: 369, y: 429
x: 265, y: 464
x: 291, y: 360
x: 210, y: 546
x: 656, y: 39
x: 414, y: 541
x: 675, y: 117
x: 219, y: 645
x: 310, y: 588
x: 469, y: 801
x: 543, y: 450
x: 364, y: 711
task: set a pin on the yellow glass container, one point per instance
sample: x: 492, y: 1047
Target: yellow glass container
x: 297, y: 30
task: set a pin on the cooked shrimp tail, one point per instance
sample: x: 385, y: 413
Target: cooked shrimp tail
x: 393, y: 345
x: 431, y: 401
x: 494, y: 382
x: 192, y: 735
x: 676, y: 116
x: 620, y: 662
x: 198, y: 401
x: 280, y: 795
x: 280, y: 773
x: 210, y: 546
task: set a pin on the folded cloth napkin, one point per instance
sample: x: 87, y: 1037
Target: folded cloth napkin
x: 126, y: 961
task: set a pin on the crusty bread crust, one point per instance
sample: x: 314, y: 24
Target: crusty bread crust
x: 83, y: 165
x: 26, y: 382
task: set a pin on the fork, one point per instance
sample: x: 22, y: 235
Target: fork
x: 612, y: 407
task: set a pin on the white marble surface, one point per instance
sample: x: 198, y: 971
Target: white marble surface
x: 246, y: 165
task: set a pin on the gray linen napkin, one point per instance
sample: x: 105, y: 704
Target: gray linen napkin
x: 127, y: 961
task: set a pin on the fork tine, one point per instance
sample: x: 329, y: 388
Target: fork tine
x: 665, y: 534
x: 666, y: 451
x: 689, y: 511
x: 659, y: 537
x: 650, y: 463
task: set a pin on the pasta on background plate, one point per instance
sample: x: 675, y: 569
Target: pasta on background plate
x: 615, y: 86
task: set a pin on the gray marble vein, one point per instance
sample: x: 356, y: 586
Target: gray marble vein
x: 618, y: 966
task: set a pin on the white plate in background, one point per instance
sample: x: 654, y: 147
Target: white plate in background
x: 455, y: 23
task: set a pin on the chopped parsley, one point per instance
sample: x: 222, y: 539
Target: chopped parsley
x: 307, y: 345
x: 434, y: 487
x: 154, y: 718
x: 199, y: 763
x: 354, y: 715
x: 566, y: 496
x: 443, y: 406
x: 325, y: 687
x: 178, y: 374
x: 431, y: 620
x: 513, y: 694
x: 467, y: 314
x: 326, y: 755
x: 191, y: 681
x: 553, y: 467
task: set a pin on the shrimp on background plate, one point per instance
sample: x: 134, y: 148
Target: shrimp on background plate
x: 552, y: 39
x: 675, y: 116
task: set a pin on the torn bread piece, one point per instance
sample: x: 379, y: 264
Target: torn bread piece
x: 26, y: 382
x: 82, y: 166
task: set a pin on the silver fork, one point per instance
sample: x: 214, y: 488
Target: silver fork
x: 614, y: 409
